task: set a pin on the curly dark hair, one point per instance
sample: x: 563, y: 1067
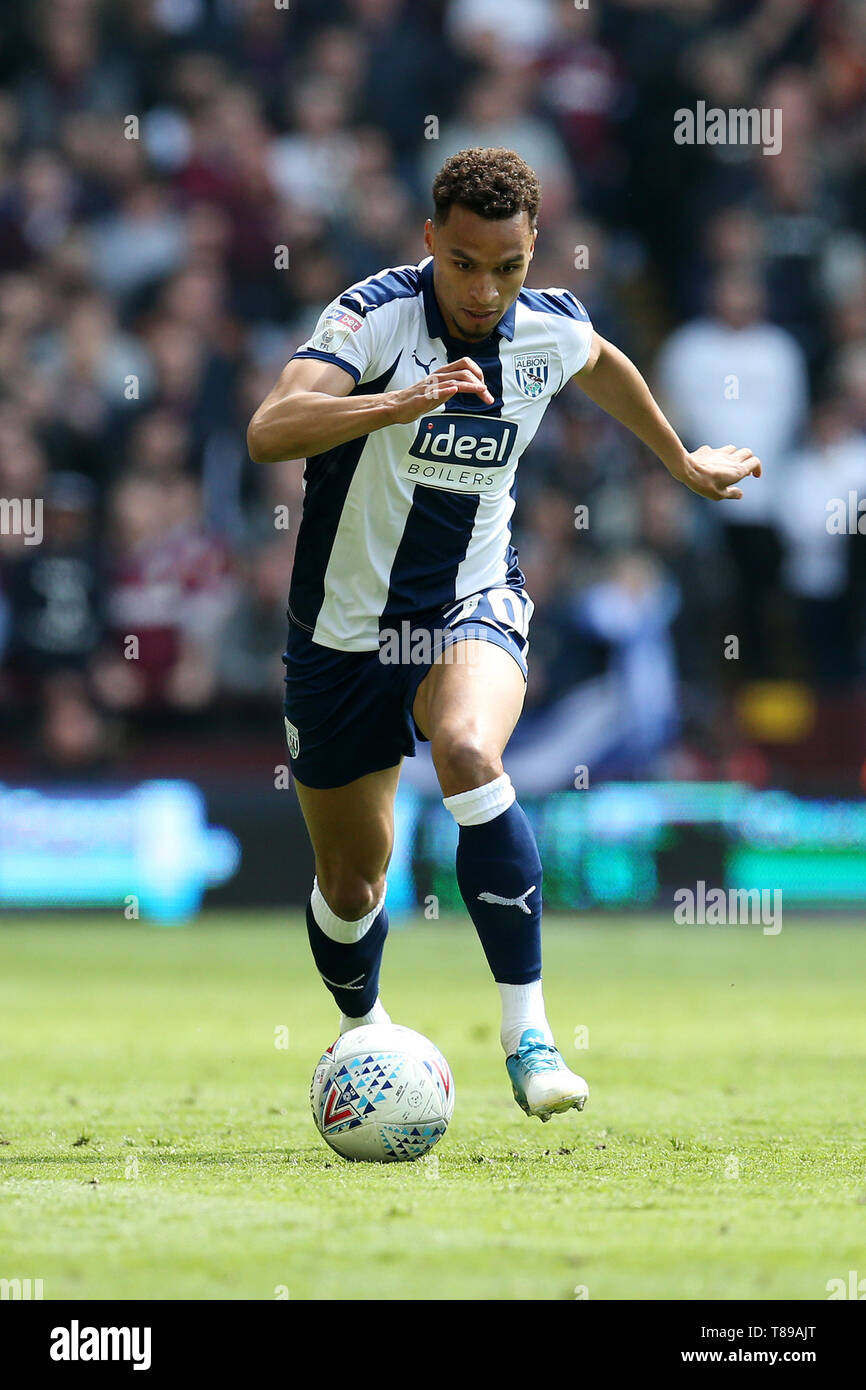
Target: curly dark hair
x: 494, y: 183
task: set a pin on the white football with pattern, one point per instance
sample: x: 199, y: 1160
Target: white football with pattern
x: 382, y: 1093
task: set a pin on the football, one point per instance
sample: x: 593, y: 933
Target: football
x: 382, y: 1093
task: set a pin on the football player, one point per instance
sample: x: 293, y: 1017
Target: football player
x: 412, y: 404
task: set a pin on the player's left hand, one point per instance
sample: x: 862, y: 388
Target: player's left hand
x: 714, y: 473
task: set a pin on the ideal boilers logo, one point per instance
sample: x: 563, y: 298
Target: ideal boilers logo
x: 463, y: 453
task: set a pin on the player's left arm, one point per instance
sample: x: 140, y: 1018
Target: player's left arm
x: 610, y: 379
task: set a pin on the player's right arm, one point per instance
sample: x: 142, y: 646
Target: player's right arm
x: 310, y: 409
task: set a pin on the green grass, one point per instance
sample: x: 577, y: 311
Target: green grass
x: 156, y: 1143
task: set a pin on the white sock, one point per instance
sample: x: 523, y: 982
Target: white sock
x: 376, y: 1015
x: 337, y: 928
x: 522, y: 1007
x: 481, y: 804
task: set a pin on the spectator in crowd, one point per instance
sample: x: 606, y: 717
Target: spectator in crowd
x: 734, y: 375
x: 814, y: 517
x: 55, y: 588
x: 169, y: 591
x: 250, y: 643
x: 497, y: 110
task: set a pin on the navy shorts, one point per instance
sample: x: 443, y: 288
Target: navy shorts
x: 350, y: 713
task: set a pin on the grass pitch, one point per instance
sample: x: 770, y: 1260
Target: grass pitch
x: 156, y: 1141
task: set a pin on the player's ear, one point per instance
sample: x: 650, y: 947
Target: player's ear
x: 428, y: 236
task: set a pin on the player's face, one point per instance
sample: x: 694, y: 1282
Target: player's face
x: 479, y: 267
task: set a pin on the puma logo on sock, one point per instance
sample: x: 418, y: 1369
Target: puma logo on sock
x: 510, y: 902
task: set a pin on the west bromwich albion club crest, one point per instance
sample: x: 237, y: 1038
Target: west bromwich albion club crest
x: 531, y: 370
x: 292, y: 738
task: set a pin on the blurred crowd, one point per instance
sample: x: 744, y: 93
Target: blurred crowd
x: 185, y: 183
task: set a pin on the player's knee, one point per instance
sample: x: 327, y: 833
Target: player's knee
x: 348, y: 893
x: 464, y: 761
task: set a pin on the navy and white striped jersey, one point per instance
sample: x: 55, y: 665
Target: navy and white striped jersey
x: 414, y: 517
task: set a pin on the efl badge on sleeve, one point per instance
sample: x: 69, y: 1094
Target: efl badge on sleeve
x: 338, y: 325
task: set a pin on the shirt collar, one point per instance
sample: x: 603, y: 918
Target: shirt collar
x: 433, y: 314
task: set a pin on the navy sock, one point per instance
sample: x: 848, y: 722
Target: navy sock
x: 350, y: 969
x: 499, y: 876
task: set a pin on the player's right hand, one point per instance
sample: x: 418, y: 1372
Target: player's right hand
x: 464, y: 376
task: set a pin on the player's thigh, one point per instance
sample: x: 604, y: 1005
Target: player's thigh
x: 352, y: 833
x: 468, y: 709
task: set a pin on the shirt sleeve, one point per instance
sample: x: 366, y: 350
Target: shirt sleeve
x: 574, y: 333
x: 343, y: 336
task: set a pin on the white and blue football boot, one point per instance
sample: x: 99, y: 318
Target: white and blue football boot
x: 541, y: 1081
